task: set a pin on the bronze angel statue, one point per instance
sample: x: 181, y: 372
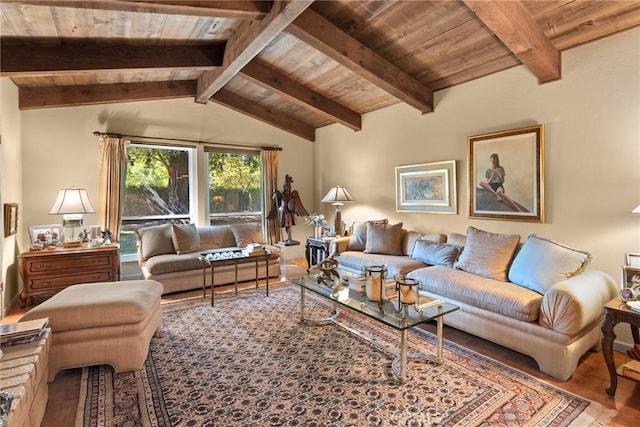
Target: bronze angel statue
x: 287, y: 204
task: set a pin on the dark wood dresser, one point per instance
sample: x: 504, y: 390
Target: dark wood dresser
x: 47, y: 272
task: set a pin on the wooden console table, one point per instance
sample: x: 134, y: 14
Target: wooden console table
x: 616, y: 311
x: 47, y: 272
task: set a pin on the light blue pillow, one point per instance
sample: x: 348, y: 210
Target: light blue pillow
x: 435, y: 253
x: 541, y: 263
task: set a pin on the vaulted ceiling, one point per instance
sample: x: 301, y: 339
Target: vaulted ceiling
x: 296, y: 65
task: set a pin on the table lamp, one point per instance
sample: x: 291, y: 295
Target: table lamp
x: 337, y: 196
x: 72, y: 203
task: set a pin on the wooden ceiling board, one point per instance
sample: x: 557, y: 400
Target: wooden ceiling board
x: 438, y: 43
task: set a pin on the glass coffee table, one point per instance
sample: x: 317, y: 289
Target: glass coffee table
x: 400, y: 320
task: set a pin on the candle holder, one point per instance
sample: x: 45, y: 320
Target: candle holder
x: 407, y: 293
x: 374, y: 276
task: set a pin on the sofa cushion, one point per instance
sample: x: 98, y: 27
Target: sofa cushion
x: 410, y: 238
x: 247, y: 233
x: 384, y: 239
x: 185, y: 238
x: 435, y: 253
x: 456, y: 239
x: 215, y: 237
x: 169, y: 263
x: 541, y: 263
x: 487, y: 254
x: 155, y: 240
x: 496, y: 296
x: 359, y: 234
x: 357, y: 260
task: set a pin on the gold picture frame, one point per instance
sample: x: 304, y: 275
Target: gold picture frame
x: 514, y: 191
x: 10, y: 219
x: 427, y: 187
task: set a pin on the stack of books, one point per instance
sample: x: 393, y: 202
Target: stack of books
x: 22, y: 332
x: 631, y: 369
x: 254, y: 249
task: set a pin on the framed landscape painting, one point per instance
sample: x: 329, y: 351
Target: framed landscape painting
x: 506, y: 175
x: 427, y: 187
x: 10, y: 219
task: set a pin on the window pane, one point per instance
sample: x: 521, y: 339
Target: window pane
x: 156, y: 190
x: 235, y: 183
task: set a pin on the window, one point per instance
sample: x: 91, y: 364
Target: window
x: 161, y: 182
x: 235, y: 188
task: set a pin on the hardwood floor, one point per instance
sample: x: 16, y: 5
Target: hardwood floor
x: 589, y: 381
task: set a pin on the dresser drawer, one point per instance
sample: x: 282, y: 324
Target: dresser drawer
x: 58, y: 281
x: 68, y: 263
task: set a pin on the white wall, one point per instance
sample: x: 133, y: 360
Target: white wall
x: 592, y: 149
x: 11, y: 182
x: 60, y: 150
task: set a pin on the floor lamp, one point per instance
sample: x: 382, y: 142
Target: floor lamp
x: 337, y: 196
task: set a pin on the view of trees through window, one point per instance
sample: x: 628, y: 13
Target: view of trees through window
x: 158, y: 186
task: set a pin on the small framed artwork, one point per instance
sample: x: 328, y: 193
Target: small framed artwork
x: 506, y: 175
x: 632, y: 260
x: 631, y: 278
x: 10, y: 219
x: 427, y: 187
x: 46, y: 233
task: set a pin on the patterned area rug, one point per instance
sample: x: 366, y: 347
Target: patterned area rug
x: 249, y: 362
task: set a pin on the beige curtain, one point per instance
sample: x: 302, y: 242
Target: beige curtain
x: 112, y: 168
x: 270, y: 160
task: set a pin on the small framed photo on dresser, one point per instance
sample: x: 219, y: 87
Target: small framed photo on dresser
x: 632, y: 259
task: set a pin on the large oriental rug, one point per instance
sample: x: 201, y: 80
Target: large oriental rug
x: 249, y: 362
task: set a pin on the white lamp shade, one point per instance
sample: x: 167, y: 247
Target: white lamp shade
x: 338, y: 195
x: 636, y: 210
x: 72, y: 201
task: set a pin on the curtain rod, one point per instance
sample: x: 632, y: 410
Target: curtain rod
x: 223, y: 144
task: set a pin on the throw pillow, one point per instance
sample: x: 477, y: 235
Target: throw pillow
x: 185, y: 238
x: 487, y: 254
x: 541, y: 263
x: 358, y: 238
x: 435, y: 253
x: 247, y: 233
x: 456, y: 239
x: 155, y: 240
x: 384, y: 239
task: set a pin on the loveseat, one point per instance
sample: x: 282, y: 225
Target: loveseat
x: 537, y: 297
x: 169, y: 254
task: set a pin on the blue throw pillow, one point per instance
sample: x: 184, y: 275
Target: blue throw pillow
x: 541, y: 263
x: 435, y: 253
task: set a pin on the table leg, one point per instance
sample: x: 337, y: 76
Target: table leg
x: 256, y: 260
x: 608, y: 336
x: 236, y: 284
x: 301, y: 304
x: 267, y: 271
x: 204, y: 282
x: 307, y: 254
x: 403, y: 354
x: 439, y: 337
x: 212, y: 282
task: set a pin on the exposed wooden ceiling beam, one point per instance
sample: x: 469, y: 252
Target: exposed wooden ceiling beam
x: 250, y: 108
x: 34, y: 59
x: 65, y: 96
x: 324, y: 36
x: 249, y: 40
x: 513, y: 25
x: 263, y: 74
x: 239, y: 9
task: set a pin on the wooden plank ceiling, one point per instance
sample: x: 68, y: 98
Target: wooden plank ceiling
x: 296, y: 65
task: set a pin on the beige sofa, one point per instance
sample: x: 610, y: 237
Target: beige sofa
x: 169, y: 254
x: 536, y: 297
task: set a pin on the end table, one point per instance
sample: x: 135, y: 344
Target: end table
x: 616, y: 311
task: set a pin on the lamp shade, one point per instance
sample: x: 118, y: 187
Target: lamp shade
x: 636, y: 210
x: 338, y: 195
x: 72, y: 201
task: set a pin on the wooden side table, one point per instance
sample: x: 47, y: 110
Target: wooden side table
x: 616, y: 311
x: 315, y: 250
x: 47, y: 272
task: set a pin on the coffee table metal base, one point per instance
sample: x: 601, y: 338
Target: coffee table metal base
x: 399, y: 363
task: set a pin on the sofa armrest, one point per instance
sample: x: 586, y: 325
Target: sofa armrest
x: 339, y: 245
x: 573, y: 304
